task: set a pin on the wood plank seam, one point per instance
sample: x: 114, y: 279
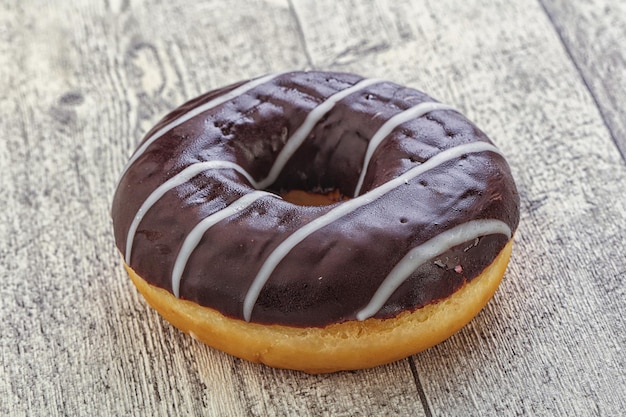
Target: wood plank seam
x: 584, y: 80
x: 420, y: 389
x: 296, y: 18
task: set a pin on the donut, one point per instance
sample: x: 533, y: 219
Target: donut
x: 316, y: 221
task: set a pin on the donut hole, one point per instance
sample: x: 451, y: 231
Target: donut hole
x: 307, y: 198
x: 315, y: 178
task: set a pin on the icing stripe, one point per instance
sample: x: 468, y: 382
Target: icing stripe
x: 194, y: 237
x: 294, y: 142
x: 428, y: 250
x: 178, y: 179
x: 194, y: 112
x: 347, y: 207
x: 384, y: 131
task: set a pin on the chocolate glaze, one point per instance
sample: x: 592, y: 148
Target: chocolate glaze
x: 332, y: 274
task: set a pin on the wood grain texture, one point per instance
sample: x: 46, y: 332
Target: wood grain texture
x: 593, y: 33
x: 83, y: 81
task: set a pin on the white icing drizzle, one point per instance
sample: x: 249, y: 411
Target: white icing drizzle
x: 294, y: 142
x: 384, y: 131
x: 428, y: 250
x: 194, y: 112
x: 178, y: 179
x: 194, y: 237
x: 347, y: 207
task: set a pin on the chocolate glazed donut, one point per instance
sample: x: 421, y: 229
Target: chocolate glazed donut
x: 198, y: 211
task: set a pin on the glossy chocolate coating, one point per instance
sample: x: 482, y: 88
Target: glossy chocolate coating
x: 334, y: 272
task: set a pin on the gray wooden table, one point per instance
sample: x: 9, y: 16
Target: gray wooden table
x: 82, y: 81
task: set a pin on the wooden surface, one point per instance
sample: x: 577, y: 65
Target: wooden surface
x: 82, y: 82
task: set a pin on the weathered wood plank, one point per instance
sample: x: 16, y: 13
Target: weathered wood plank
x: 550, y: 342
x: 73, y: 345
x: 386, y: 390
x: 593, y: 32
